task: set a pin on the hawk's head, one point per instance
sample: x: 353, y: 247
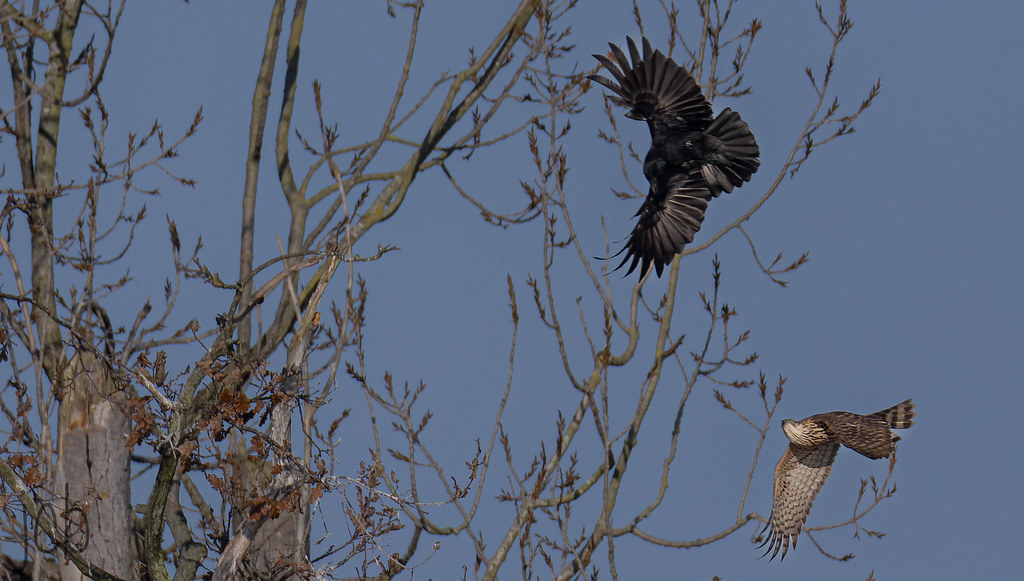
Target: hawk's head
x: 804, y: 432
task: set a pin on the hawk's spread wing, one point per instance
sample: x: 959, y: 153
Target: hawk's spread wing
x: 799, y: 476
x: 870, y: 435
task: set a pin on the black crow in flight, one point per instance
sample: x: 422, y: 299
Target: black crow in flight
x: 693, y: 156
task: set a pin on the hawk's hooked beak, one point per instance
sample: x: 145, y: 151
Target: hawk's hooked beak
x: 787, y: 428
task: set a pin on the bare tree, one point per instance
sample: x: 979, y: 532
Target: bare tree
x: 243, y: 448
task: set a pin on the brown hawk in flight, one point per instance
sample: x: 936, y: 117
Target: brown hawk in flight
x: 804, y: 467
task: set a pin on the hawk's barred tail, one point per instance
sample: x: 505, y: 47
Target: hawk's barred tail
x: 739, y: 149
x: 899, y: 416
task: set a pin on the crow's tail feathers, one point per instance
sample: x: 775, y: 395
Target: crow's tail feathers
x: 739, y: 149
x: 654, y: 88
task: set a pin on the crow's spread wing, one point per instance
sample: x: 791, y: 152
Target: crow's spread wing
x: 669, y: 218
x: 655, y: 89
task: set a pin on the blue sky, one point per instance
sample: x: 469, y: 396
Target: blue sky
x: 909, y: 291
